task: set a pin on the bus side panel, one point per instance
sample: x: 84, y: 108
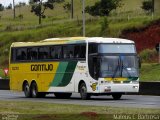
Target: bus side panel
x: 17, y: 76
x: 69, y: 75
x: 46, y: 77
x: 64, y: 77
x: 64, y: 80
x: 29, y: 71
x: 80, y: 74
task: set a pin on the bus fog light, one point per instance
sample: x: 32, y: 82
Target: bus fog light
x: 135, y: 87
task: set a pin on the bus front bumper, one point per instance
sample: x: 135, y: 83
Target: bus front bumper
x: 113, y: 88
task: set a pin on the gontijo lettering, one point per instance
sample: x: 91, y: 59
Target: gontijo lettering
x: 41, y: 67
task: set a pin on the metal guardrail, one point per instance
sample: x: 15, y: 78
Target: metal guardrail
x: 4, y: 84
x: 149, y: 88
x: 146, y: 88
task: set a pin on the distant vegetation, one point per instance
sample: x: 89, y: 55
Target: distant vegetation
x: 150, y: 72
x: 58, y: 23
x: 103, y: 7
x: 148, y: 6
x: 1, y: 7
x: 128, y: 21
x: 39, y: 7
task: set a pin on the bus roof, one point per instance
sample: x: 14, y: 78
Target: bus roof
x: 71, y: 40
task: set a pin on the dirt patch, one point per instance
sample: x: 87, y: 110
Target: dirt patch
x: 144, y: 37
x: 92, y: 115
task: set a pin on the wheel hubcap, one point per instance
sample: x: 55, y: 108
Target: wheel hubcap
x: 34, y: 91
x: 83, y: 90
x: 26, y: 89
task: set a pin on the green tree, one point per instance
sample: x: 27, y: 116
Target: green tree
x: 67, y: 7
x: 148, y: 6
x: 9, y: 6
x: 20, y: 4
x: 39, y: 7
x: 103, y: 7
x: 1, y: 7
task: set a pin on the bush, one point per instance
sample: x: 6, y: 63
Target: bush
x: 8, y: 28
x: 104, y: 27
x: 147, y: 6
x: 148, y: 55
x: 104, y: 24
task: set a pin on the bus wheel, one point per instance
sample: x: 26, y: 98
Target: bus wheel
x: 63, y: 95
x: 34, y: 90
x: 27, y: 91
x: 83, y: 92
x: 117, y: 96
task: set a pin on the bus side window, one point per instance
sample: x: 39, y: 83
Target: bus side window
x: 13, y: 55
x: 59, y: 52
x: 77, y: 51
x: 68, y: 51
x: 43, y: 53
x: 83, y: 51
x: 56, y: 52
x: 32, y: 53
x: 65, y: 52
x: 21, y: 54
x: 53, y: 52
x: 71, y: 51
x: 17, y: 54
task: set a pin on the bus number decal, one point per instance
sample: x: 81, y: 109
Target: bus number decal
x: 15, y: 68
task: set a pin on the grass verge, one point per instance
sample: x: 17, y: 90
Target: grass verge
x: 48, y: 111
x: 150, y: 72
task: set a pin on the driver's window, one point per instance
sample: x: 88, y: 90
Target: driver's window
x: 96, y: 68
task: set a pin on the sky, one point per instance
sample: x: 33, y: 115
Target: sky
x: 7, y: 2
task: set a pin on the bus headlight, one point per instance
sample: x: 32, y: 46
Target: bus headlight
x: 135, y: 87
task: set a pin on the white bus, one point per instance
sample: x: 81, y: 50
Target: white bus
x: 85, y: 65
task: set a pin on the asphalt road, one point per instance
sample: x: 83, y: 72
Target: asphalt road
x: 136, y: 101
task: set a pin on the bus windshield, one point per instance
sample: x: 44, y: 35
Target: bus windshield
x: 118, y: 66
x: 116, y: 48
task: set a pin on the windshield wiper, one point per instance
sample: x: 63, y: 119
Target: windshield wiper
x: 121, y: 67
x: 118, y: 67
x: 125, y: 68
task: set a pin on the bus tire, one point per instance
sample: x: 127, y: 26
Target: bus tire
x: 117, y: 96
x: 83, y: 92
x: 63, y: 95
x: 34, y: 90
x: 26, y: 89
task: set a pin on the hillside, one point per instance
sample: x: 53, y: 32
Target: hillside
x: 59, y: 24
x: 145, y: 37
x: 129, y: 8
